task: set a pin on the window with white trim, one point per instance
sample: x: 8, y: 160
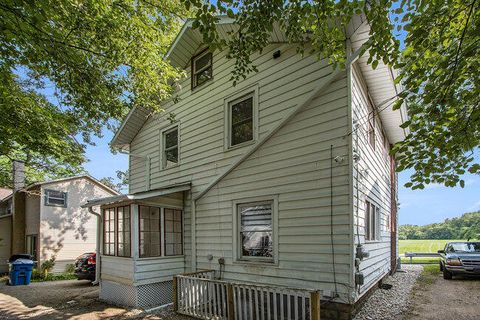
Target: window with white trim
x: 372, y: 221
x: 170, y: 147
x: 241, y: 119
x: 201, y: 68
x: 55, y: 198
x: 255, y: 231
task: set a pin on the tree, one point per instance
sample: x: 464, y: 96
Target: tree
x: 121, y: 185
x: 438, y: 67
x: 68, y: 68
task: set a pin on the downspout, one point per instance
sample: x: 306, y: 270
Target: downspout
x: 148, y: 164
x: 98, y: 262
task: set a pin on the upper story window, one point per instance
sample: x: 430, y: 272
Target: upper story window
x: 201, y: 68
x: 170, y: 147
x: 55, y: 198
x: 372, y: 221
x: 241, y: 119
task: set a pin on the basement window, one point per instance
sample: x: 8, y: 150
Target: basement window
x: 55, y: 198
x: 372, y: 221
x: 201, y: 68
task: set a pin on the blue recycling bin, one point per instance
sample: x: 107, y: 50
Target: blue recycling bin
x: 21, y: 272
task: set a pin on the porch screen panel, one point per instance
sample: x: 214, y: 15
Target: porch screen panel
x: 256, y: 230
x: 150, y: 239
x: 109, y: 232
x: 173, y: 232
x: 123, y: 232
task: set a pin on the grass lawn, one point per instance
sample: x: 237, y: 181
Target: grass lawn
x: 421, y: 246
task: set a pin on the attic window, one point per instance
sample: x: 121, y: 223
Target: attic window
x: 201, y: 68
x: 55, y: 198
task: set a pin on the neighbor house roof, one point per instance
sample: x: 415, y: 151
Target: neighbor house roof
x: 4, y: 193
x: 189, y: 41
x: 84, y: 176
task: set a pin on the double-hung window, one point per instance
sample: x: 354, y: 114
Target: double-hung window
x: 201, y: 68
x: 241, y: 119
x: 372, y: 221
x: 170, y: 147
x: 55, y: 198
x: 255, y: 221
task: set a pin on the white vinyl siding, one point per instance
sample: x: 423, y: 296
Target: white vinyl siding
x: 373, y: 176
x: 294, y: 164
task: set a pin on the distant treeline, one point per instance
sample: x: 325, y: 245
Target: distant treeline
x: 465, y: 227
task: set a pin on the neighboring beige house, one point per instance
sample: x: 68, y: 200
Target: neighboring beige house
x: 45, y: 219
x: 283, y: 180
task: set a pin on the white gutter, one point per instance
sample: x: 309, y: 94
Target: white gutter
x: 148, y: 164
x: 98, y: 262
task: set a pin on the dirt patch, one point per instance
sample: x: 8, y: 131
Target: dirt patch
x: 436, y: 298
x: 70, y: 299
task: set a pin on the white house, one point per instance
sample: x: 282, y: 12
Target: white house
x: 46, y: 220
x: 284, y: 179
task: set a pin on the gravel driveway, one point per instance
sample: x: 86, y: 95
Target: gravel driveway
x: 392, y: 303
x: 70, y: 299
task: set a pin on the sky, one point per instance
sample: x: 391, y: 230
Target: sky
x: 433, y: 204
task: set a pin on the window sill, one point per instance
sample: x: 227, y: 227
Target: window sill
x: 241, y: 145
x: 254, y: 263
x: 202, y: 86
x: 161, y: 257
x: 171, y: 166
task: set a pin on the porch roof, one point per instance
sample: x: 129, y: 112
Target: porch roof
x: 139, y: 195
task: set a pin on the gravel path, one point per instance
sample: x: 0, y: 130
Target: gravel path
x: 392, y: 303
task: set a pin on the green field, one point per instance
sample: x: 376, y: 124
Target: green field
x: 421, y: 246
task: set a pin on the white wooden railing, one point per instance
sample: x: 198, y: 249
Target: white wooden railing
x: 201, y: 296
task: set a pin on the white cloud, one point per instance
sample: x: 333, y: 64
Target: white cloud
x: 476, y: 206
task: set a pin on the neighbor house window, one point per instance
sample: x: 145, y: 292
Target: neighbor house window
x: 123, y: 232
x: 170, y: 147
x: 372, y: 221
x: 173, y: 232
x: 55, y: 198
x: 150, y: 236
x: 31, y: 242
x: 256, y: 231
x: 241, y: 120
x: 109, y: 232
x: 371, y: 126
x: 201, y: 68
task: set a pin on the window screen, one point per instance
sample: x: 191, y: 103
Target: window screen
x: 201, y: 69
x: 150, y: 239
x: 173, y: 232
x: 109, y: 232
x: 170, y: 152
x: 123, y: 232
x: 241, y: 122
x: 256, y: 235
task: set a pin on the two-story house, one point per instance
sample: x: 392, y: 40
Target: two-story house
x: 45, y: 219
x: 283, y: 180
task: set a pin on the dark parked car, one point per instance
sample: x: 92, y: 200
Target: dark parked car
x: 85, y: 266
x: 460, y: 258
